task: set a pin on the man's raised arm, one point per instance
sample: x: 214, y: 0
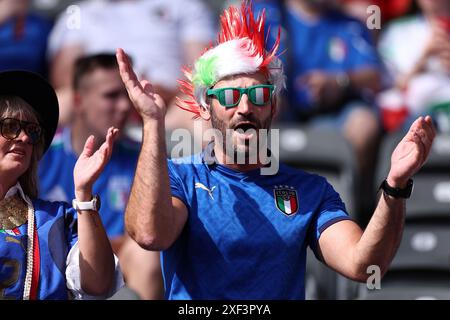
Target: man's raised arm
x: 153, y: 218
x: 350, y: 251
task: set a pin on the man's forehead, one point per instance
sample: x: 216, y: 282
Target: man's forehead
x: 242, y: 79
x: 102, y: 78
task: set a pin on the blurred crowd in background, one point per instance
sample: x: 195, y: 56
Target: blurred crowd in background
x: 362, y: 68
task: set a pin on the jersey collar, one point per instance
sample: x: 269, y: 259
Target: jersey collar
x: 17, y: 189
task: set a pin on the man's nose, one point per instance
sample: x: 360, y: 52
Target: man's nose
x: 244, y: 105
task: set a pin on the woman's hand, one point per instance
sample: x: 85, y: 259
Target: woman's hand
x: 91, y: 163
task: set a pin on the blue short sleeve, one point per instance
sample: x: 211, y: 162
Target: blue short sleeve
x: 71, y: 226
x: 176, y: 183
x: 331, y: 210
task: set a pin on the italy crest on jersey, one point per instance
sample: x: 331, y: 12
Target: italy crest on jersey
x: 286, y: 199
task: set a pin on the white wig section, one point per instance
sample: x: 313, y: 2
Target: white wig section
x: 231, y: 58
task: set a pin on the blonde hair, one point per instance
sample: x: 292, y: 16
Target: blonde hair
x: 16, y: 107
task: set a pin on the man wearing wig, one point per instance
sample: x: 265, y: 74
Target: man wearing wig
x: 226, y: 230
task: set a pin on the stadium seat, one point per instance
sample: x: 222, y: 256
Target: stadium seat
x: 425, y: 245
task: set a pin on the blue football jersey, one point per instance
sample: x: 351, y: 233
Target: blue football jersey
x: 246, y: 235
x: 56, y: 227
x: 113, y: 185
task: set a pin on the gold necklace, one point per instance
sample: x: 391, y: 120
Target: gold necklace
x: 13, y: 212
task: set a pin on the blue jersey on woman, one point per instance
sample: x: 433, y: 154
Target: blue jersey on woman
x: 56, y: 228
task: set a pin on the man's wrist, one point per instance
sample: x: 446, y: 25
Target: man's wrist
x: 397, y: 183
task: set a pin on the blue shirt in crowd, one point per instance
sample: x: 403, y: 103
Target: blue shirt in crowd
x: 23, y: 44
x: 333, y: 43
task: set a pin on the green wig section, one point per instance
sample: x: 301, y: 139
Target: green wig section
x: 205, y: 68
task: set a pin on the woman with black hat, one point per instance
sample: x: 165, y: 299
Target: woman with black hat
x: 48, y: 250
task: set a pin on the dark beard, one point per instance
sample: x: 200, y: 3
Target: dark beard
x: 232, y: 151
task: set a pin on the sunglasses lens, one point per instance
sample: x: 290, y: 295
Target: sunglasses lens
x: 33, y: 131
x: 260, y: 95
x: 229, y: 97
x: 10, y: 128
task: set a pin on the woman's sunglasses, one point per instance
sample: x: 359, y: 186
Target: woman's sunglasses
x: 10, y: 129
x: 259, y: 95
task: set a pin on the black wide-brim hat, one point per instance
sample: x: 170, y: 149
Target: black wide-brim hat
x: 38, y: 93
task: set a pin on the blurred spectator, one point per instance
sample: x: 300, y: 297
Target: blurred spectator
x: 160, y: 35
x: 23, y: 38
x: 388, y: 10
x: 331, y: 67
x: 101, y: 101
x: 416, y: 51
x: 50, y: 8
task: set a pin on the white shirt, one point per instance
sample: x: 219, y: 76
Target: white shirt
x: 403, y: 43
x: 152, y: 32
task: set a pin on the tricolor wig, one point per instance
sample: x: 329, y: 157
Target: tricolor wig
x: 240, y: 50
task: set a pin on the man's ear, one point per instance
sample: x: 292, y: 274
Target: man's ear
x: 205, y: 112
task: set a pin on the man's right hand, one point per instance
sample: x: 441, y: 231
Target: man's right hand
x: 148, y: 104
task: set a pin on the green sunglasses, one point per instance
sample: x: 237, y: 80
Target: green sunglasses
x: 230, y: 97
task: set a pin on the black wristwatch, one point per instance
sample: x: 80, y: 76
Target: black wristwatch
x: 404, y: 193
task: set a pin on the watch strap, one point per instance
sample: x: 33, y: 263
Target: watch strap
x: 404, y: 193
x: 86, y: 205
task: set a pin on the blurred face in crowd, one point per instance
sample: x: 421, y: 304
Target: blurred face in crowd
x: 434, y: 7
x: 102, y: 101
x: 14, y: 7
x: 245, y: 116
x: 357, y: 9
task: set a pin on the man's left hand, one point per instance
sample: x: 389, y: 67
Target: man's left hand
x: 412, y: 152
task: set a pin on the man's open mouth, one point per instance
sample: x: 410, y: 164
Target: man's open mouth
x: 244, y: 126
